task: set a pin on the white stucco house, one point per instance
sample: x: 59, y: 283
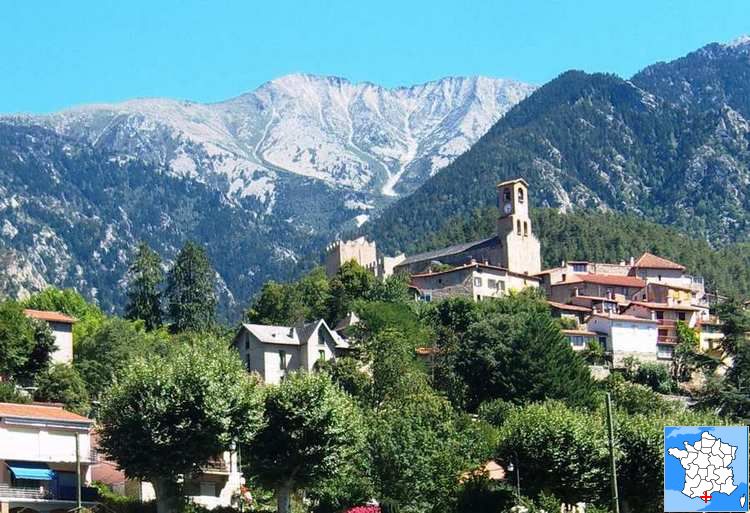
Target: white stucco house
x: 38, y: 458
x: 273, y: 351
x: 627, y: 335
x: 61, y: 326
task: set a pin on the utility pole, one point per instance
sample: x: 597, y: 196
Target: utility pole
x: 78, y: 473
x: 613, y: 464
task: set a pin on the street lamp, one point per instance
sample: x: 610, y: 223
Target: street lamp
x: 513, y: 466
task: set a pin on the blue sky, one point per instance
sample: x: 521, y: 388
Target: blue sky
x: 58, y: 54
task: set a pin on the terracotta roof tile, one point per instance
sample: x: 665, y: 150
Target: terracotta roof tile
x: 572, y: 308
x: 651, y: 261
x: 45, y: 315
x: 605, y: 279
x: 40, y: 412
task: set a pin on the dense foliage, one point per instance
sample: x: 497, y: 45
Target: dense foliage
x: 168, y: 415
x: 145, y: 279
x: 190, y: 293
x: 311, y: 430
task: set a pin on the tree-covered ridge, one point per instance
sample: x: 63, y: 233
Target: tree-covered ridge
x: 607, y: 237
x: 72, y: 216
x: 598, y: 141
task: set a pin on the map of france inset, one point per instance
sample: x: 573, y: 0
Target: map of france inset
x: 706, y: 468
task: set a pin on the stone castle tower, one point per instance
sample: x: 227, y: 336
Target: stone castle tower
x: 520, y: 249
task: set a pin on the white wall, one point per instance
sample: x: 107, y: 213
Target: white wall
x: 44, y: 444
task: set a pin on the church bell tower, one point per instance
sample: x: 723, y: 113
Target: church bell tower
x: 520, y: 247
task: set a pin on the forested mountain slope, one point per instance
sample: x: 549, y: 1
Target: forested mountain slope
x: 609, y: 237
x: 596, y: 141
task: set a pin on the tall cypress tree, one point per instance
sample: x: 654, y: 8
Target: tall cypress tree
x: 191, y: 300
x: 145, y: 275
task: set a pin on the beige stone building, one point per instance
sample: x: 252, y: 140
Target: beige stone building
x: 514, y: 246
x: 474, y: 280
x: 61, y: 326
x: 360, y: 250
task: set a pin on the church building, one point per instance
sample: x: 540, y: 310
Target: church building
x: 514, y: 247
x: 486, y: 268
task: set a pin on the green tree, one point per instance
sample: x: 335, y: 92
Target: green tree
x: 350, y: 283
x: 287, y: 303
x: 25, y: 343
x: 347, y: 373
x: 62, y: 384
x: 277, y: 304
x: 557, y: 449
x: 145, y: 278
x: 685, y: 357
x: 419, y: 451
x: 9, y: 393
x: 311, y: 431
x: 88, y: 316
x: 168, y: 415
x: 730, y: 394
x: 102, y: 355
x: 516, y: 352
x: 191, y: 300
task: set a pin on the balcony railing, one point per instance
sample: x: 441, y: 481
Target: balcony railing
x: 664, y: 339
x: 62, y: 493
x: 215, y: 466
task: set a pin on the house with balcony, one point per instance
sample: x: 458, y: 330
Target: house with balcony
x: 273, y: 351
x: 217, y: 485
x: 61, y: 326
x: 667, y: 316
x: 39, y: 447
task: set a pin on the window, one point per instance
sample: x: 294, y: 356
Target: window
x: 321, y: 338
x: 579, y: 268
x: 660, y: 277
x: 518, y: 227
x: 659, y: 315
x: 525, y: 229
x: 520, y: 195
x: 603, y: 342
x: 477, y: 282
x: 321, y: 355
x: 663, y: 332
x: 506, y: 194
x: 577, y: 341
x: 247, y: 361
x: 282, y: 360
x: 664, y: 352
x: 681, y: 316
x: 427, y: 297
x: 492, y: 283
x: 501, y: 285
x: 247, y: 342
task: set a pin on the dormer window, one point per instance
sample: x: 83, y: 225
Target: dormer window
x: 520, y: 195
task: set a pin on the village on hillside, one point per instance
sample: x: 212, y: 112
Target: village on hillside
x: 619, y: 312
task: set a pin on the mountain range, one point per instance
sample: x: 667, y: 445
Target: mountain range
x: 266, y: 179
x: 263, y: 180
x: 671, y: 144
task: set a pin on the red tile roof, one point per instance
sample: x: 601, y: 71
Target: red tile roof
x: 579, y: 332
x: 651, y: 261
x: 475, y: 265
x: 39, y: 411
x: 621, y: 317
x: 45, y: 315
x: 605, y: 279
x: 572, y: 308
x: 665, y: 306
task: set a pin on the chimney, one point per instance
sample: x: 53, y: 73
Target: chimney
x: 632, y: 261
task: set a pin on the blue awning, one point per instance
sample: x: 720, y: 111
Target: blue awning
x: 31, y: 470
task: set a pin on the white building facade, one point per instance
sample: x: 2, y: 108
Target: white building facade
x: 274, y: 351
x: 61, y: 326
x: 38, y: 458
